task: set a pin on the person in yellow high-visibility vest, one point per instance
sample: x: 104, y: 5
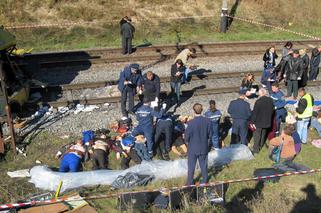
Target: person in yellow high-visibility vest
x: 304, y: 113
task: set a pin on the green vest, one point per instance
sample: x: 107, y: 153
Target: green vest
x: 307, y: 113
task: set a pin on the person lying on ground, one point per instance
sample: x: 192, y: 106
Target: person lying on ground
x: 100, y: 154
x: 126, y: 151
x: 71, y: 159
x: 140, y: 147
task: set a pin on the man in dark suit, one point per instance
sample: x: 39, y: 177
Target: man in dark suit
x: 262, y: 116
x: 127, y: 34
x: 240, y: 112
x: 197, y: 135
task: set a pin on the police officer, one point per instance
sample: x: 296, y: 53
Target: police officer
x: 197, y: 136
x: 279, y: 104
x: 144, y: 116
x: 127, y: 34
x: 151, y: 85
x: 164, y: 126
x: 240, y: 112
x: 304, y: 114
x: 130, y: 81
x: 215, y: 116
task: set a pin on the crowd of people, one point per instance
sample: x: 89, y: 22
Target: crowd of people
x: 158, y: 132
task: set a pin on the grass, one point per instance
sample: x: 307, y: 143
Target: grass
x: 81, y: 37
x: 240, y: 197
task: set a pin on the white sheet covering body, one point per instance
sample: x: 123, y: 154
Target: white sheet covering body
x: 47, y: 179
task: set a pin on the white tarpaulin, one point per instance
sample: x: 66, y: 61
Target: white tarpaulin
x: 47, y: 179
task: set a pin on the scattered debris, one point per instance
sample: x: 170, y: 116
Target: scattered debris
x: 83, y: 108
x: 63, y: 109
x: 19, y: 173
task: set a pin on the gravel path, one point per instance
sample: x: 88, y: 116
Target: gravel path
x: 111, y: 71
x: 72, y: 123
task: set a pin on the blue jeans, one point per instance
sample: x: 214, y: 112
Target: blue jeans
x: 186, y: 72
x: 302, y: 129
x: 280, y: 116
x: 176, y: 88
x: 215, y: 135
x: 315, y: 124
x: 70, y: 163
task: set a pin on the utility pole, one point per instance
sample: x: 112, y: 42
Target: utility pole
x: 224, y: 19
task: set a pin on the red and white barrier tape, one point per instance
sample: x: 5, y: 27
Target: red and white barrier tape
x: 273, y: 26
x: 66, y: 199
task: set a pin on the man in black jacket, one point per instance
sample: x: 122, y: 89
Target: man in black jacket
x: 314, y: 63
x: 262, y: 115
x: 151, y: 85
x: 240, y: 112
x: 294, y: 71
x: 127, y: 34
x: 177, y: 72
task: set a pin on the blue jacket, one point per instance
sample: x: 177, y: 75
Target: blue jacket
x: 197, y: 135
x: 267, y: 75
x: 145, y: 114
x: 215, y: 116
x: 239, y: 109
x: 278, y: 99
x: 127, y: 75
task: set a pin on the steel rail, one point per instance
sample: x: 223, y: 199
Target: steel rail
x: 199, y: 92
x: 109, y: 55
x: 166, y: 79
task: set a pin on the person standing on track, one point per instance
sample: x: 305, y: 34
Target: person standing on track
x: 293, y: 74
x: 305, y: 65
x: 197, y: 135
x: 240, y: 112
x: 314, y: 64
x: 130, y: 81
x: 177, y: 72
x: 127, y: 34
x: 286, y: 53
x: 151, y: 86
x: 269, y: 57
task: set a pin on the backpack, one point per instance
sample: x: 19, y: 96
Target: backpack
x: 87, y: 136
x: 275, y: 153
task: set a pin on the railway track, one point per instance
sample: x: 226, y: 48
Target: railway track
x: 93, y: 85
x: 152, y: 53
x: 194, y: 92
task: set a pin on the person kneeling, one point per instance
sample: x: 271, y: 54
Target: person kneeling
x: 285, y: 142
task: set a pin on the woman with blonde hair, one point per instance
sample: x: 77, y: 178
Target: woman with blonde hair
x: 305, y: 65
